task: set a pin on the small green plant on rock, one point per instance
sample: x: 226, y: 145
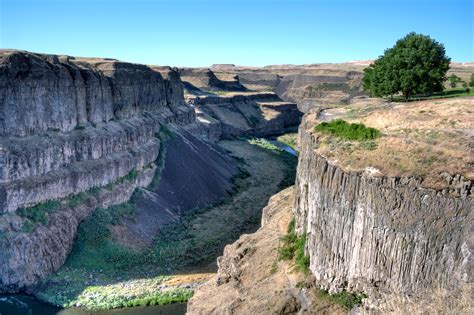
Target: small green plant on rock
x: 37, y: 214
x: 293, y: 247
x: 347, y: 300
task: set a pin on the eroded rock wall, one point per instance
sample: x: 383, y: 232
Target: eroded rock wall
x: 260, y: 114
x: 85, y: 133
x: 307, y: 85
x: 69, y: 124
x: 388, y: 237
x: 28, y: 257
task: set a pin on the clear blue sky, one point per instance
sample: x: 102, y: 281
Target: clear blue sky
x: 244, y: 32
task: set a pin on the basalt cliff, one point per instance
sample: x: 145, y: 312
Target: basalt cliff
x: 390, y: 219
x: 79, y: 134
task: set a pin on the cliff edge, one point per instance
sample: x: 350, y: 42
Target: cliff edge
x: 391, y: 217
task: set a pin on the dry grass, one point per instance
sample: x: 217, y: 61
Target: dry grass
x: 423, y: 139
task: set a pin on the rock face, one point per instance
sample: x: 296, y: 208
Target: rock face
x: 70, y: 124
x: 404, y: 245
x: 69, y: 92
x: 27, y: 257
x: 246, y: 284
x: 306, y: 85
x: 257, y: 114
x: 85, y: 133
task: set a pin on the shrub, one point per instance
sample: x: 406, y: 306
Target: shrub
x: 368, y: 145
x: 349, y: 131
x: 293, y: 247
x: 346, y: 299
x: 39, y: 212
x: 78, y: 199
x: 132, y: 175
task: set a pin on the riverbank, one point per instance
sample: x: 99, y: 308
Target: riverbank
x: 184, y: 253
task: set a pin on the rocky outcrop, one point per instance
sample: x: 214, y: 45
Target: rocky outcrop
x: 406, y: 246
x: 251, y: 280
x: 255, y: 114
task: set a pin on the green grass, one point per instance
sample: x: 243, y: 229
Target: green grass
x: 346, y: 299
x: 348, y: 131
x: 264, y: 143
x: 192, y: 243
x: 289, y: 159
x: 289, y: 139
x: 219, y: 92
x: 293, y: 247
x: 94, y: 248
x: 96, y: 297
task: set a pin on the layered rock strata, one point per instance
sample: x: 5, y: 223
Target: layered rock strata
x: 197, y: 79
x: 84, y: 133
x: 69, y: 124
x: 307, y: 85
x: 255, y: 114
x: 27, y: 257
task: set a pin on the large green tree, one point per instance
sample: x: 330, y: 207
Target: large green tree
x: 417, y: 64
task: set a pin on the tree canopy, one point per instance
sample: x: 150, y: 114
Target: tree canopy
x: 416, y: 64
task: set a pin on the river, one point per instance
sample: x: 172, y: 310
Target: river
x: 17, y: 304
x: 282, y: 146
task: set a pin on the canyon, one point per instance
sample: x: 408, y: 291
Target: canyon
x: 161, y: 159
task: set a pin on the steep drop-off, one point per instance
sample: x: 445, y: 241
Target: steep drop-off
x: 389, y: 219
x: 79, y: 134
x: 251, y: 280
x: 404, y: 243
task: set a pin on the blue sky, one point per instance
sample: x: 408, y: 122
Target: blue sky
x: 257, y: 32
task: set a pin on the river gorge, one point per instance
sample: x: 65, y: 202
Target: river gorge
x: 133, y: 189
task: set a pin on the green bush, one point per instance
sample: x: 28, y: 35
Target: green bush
x: 132, y: 175
x: 368, y: 145
x: 346, y: 299
x: 39, y: 213
x: 293, y: 247
x: 349, y: 131
x: 78, y: 199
